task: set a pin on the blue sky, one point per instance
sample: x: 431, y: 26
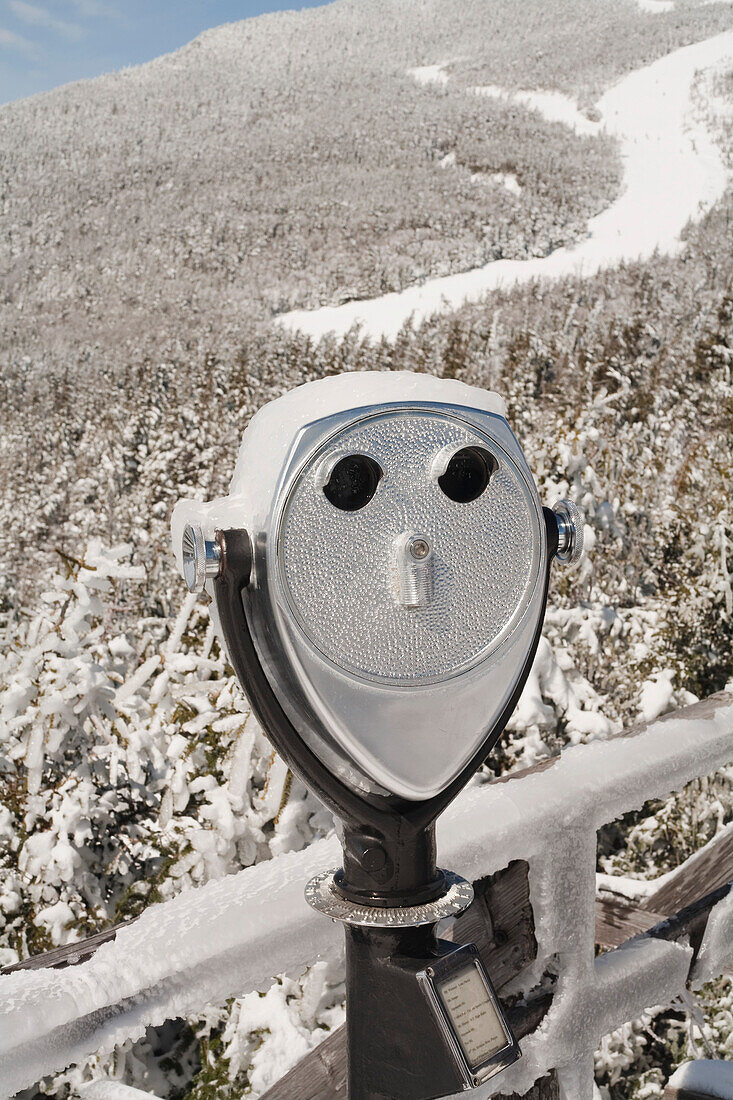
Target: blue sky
x: 48, y: 42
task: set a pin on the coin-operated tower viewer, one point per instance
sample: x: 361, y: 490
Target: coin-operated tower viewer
x: 378, y: 576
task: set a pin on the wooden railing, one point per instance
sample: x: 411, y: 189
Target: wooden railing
x: 529, y: 845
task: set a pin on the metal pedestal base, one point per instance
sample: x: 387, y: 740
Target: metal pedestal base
x: 395, y: 1048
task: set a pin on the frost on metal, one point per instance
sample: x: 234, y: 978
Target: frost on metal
x: 233, y: 935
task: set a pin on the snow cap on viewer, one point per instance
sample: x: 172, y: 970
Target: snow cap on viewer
x: 273, y: 429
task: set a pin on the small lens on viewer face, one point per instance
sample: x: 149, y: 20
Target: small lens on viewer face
x: 467, y: 474
x: 353, y: 482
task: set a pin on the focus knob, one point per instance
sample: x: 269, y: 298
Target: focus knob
x: 201, y: 558
x: 570, y: 524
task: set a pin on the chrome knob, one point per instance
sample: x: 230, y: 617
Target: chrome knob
x: 201, y: 558
x: 414, y: 560
x: 570, y: 524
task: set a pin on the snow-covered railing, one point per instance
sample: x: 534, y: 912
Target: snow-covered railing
x: 234, y: 935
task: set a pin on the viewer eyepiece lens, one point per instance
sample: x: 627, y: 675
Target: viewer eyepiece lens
x: 467, y: 474
x: 353, y: 482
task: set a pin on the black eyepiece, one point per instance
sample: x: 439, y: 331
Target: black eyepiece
x: 353, y: 482
x: 467, y: 474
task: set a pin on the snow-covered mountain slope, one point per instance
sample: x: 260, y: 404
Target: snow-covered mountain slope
x: 672, y: 172
x: 291, y: 161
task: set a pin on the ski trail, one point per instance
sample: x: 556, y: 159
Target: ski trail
x: 673, y: 172
x: 554, y: 106
x: 429, y: 74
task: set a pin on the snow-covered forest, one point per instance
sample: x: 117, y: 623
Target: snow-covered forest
x: 154, y: 223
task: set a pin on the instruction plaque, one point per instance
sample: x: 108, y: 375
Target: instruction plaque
x: 469, y: 1014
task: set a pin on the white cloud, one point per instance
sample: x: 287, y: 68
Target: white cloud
x: 92, y: 7
x: 14, y: 41
x: 41, y: 17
